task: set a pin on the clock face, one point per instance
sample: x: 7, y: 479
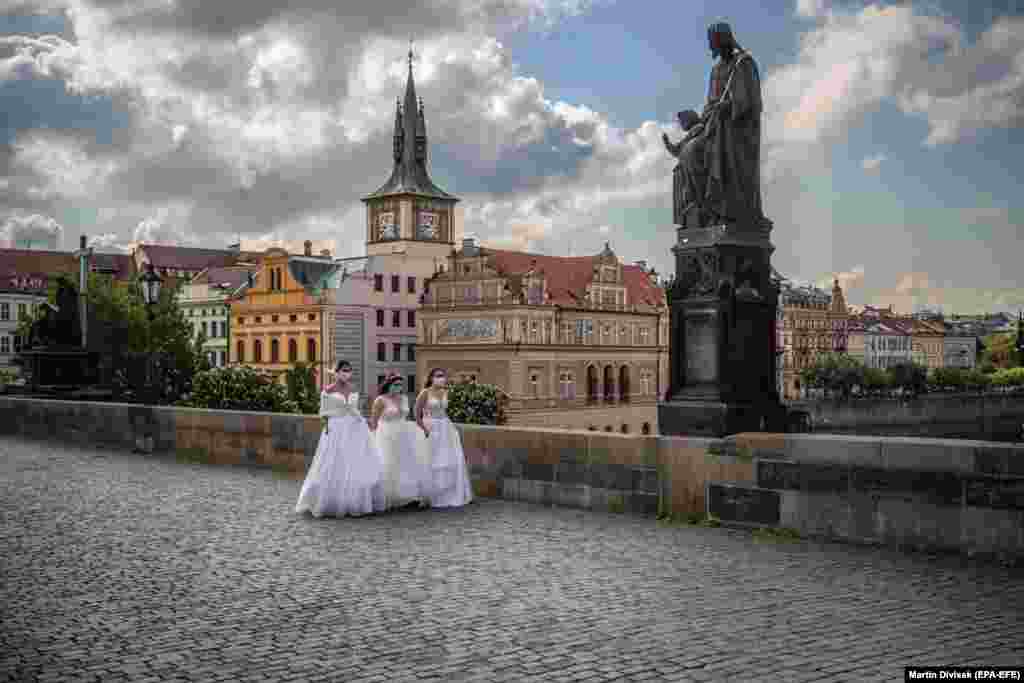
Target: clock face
x: 426, y: 228
x: 386, y: 227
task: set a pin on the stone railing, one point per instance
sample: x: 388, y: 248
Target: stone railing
x: 964, y: 495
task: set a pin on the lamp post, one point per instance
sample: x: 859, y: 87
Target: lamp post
x: 150, y: 283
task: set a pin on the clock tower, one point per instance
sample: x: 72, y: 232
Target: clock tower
x: 409, y: 214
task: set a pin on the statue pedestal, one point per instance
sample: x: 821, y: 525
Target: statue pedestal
x: 722, y: 366
x: 59, y: 368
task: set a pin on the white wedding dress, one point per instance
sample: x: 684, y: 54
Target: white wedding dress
x: 450, y: 476
x: 345, y: 477
x: 406, y: 477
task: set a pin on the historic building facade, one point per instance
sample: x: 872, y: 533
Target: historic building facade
x: 814, y: 322
x: 206, y: 303
x: 927, y: 343
x: 282, y: 315
x: 574, y: 342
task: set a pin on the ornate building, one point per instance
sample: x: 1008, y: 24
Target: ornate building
x: 814, y: 323
x: 205, y: 301
x: 575, y: 342
x: 283, y: 314
x: 927, y: 342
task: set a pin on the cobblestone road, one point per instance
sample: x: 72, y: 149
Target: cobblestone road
x: 124, y: 567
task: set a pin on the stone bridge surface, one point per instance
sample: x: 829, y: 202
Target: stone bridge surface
x: 119, y: 567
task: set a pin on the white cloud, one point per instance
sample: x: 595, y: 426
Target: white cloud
x: 873, y: 163
x: 810, y: 8
x: 32, y: 231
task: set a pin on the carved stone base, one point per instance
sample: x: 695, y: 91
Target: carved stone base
x: 718, y: 419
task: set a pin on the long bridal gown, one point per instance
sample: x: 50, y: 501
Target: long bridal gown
x: 406, y: 477
x: 345, y: 477
x: 450, y: 476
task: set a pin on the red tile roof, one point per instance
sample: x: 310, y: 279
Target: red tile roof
x: 567, y: 277
x: 192, y: 258
x: 121, y: 266
x: 29, y: 270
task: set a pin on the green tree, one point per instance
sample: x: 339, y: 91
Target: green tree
x: 836, y: 373
x: 472, y: 403
x: 238, y: 387
x: 300, y: 380
x: 948, y: 378
x: 1000, y: 351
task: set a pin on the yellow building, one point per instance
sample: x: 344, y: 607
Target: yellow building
x: 813, y: 323
x: 284, y: 316
x: 927, y: 339
x: 574, y: 342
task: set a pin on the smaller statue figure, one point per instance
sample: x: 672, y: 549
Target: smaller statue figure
x: 683, y: 193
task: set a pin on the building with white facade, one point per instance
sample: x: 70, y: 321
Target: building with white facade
x: 206, y: 304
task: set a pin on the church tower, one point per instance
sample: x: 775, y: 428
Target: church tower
x: 409, y: 214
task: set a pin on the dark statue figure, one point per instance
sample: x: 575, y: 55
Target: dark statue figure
x: 717, y: 179
x: 59, y: 325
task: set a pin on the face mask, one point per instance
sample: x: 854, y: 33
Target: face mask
x: 395, y: 389
x: 440, y: 380
x: 345, y: 374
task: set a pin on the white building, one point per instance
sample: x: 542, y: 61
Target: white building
x: 205, y: 302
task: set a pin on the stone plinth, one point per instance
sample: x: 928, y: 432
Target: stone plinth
x: 722, y: 368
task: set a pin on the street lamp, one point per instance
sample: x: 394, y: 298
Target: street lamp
x: 149, y: 283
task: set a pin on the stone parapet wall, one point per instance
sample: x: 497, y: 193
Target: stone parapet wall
x: 989, y: 416
x: 966, y: 495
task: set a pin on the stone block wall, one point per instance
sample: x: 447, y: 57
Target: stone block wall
x: 990, y: 416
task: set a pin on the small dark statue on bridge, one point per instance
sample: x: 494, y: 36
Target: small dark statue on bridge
x: 59, y: 325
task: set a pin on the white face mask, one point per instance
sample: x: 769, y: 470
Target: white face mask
x: 345, y: 375
x: 440, y: 381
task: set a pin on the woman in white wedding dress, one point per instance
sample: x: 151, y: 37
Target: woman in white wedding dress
x: 406, y: 477
x: 345, y: 477
x: 450, y: 476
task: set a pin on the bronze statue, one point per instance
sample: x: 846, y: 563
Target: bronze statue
x: 717, y: 179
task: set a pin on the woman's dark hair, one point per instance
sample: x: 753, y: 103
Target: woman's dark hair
x: 342, y: 364
x: 430, y: 377
x: 388, y: 381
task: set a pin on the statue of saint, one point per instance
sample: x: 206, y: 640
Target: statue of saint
x: 717, y: 179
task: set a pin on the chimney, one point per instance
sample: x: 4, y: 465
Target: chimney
x: 308, y: 248
x: 326, y: 253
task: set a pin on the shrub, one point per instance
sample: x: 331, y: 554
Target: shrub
x: 238, y: 388
x: 836, y: 373
x: 472, y: 403
x: 948, y: 378
x: 876, y: 380
x: 302, y: 390
x: 7, y: 377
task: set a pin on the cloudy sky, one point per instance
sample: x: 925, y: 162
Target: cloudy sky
x: 891, y: 132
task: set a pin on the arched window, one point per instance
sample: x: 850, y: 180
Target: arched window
x: 624, y: 384
x: 293, y: 351
x: 591, y: 384
x: 609, y: 383
x: 240, y: 351
x: 257, y: 351
x: 609, y: 428
x: 311, y: 350
x: 275, y: 351
x: 646, y: 429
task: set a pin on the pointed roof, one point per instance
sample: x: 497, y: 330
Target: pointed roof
x: 409, y: 175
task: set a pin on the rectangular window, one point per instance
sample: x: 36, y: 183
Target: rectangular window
x: 380, y: 317
x: 380, y: 381
x: 5, y: 344
x: 395, y: 282
x: 378, y: 283
x: 22, y: 311
x: 396, y: 318
x: 396, y: 352
x: 5, y: 311
x: 382, y: 351
x: 17, y: 343
x: 411, y: 318
x: 411, y: 380
x: 410, y: 353
x: 412, y: 285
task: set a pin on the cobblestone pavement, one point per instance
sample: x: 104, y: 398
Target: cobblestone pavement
x: 119, y: 567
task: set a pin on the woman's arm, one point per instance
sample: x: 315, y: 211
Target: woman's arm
x: 421, y: 401
x: 375, y: 412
